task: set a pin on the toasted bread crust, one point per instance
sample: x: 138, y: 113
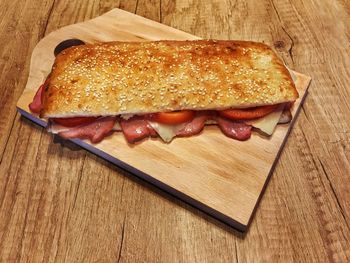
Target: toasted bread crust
x: 136, y: 78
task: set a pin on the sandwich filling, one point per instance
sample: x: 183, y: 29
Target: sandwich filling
x: 234, y: 123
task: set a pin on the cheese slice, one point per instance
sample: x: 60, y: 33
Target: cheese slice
x: 166, y: 132
x: 56, y: 128
x: 117, y: 127
x: 126, y: 116
x: 267, y: 124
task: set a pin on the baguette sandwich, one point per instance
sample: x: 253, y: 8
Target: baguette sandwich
x: 165, y: 88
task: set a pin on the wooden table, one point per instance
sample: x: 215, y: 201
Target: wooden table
x: 61, y: 203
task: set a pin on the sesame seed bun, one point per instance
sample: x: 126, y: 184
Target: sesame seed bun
x: 144, y: 77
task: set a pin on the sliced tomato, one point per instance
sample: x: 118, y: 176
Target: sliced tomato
x: 73, y: 122
x: 247, y: 114
x: 173, y: 117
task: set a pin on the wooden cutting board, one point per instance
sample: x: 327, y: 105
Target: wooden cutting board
x: 218, y: 175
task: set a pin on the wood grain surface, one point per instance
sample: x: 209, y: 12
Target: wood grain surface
x: 221, y: 176
x: 63, y: 204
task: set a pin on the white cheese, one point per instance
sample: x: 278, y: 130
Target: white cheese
x: 117, y: 127
x: 166, y: 132
x: 267, y: 124
x: 56, y: 128
x: 126, y: 116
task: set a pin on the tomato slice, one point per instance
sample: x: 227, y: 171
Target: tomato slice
x: 73, y: 122
x: 173, y: 117
x: 247, y: 114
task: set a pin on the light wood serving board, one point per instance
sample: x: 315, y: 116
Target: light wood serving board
x: 218, y: 175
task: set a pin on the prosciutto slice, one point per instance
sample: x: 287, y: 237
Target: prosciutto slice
x: 136, y: 129
x: 236, y: 130
x: 95, y: 131
x: 193, y: 127
x: 233, y: 129
x: 36, y: 105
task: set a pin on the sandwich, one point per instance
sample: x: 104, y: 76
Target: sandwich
x: 165, y: 89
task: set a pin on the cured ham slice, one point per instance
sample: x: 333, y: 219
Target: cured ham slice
x: 236, y: 130
x: 136, y: 129
x: 95, y: 131
x: 193, y: 127
x: 36, y: 104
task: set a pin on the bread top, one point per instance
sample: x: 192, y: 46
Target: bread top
x: 143, y: 77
